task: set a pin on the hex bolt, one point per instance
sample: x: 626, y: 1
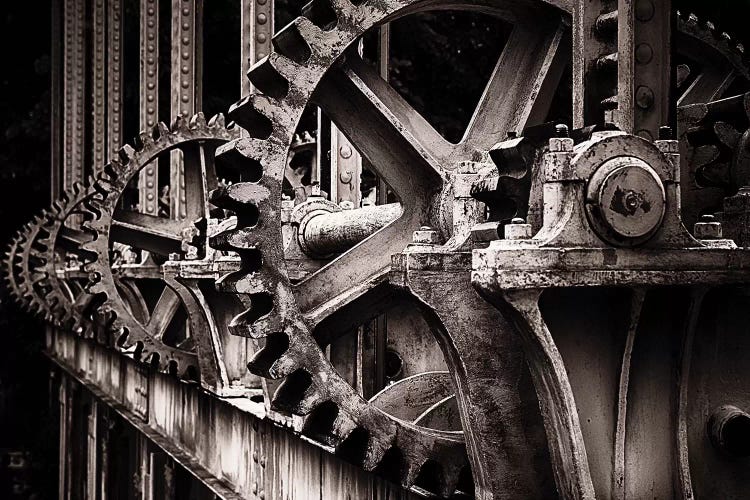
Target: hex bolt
x: 487, y: 231
x: 174, y: 256
x: 425, y: 235
x: 518, y: 229
x: 561, y: 130
x: 729, y: 431
x: 707, y: 228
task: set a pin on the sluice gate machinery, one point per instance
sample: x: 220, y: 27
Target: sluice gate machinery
x: 552, y: 305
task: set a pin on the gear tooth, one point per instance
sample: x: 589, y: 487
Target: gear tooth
x: 253, y: 113
x: 711, y: 27
x: 377, y: 446
x: 239, y: 240
x: 126, y: 153
x: 273, y: 74
x: 217, y: 121
x: 274, y: 360
x: 198, y: 120
x: 245, y: 156
x: 292, y: 43
x: 298, y: 394
x: 692, y: 20
x: 451, y: 474
x: 179, y: 124
x: 343, y: 425
x: 410, y: 473
x: 145, y: 140
x: 161, y: 129
x: 740, y: 48
x: 724, y: 36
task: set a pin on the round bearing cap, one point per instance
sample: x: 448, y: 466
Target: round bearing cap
x: 629, y: 200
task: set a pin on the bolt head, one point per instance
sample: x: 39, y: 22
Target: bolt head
x: 707, y: 228
x: 561, y: 145
x: 518, y: 231
x: 426, y: 236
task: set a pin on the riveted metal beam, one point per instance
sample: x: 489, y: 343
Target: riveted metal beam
x: 594, y: 60
x: 186, y: 76
x: 257, y: 28
x: 148, y: 181
x: 56, y: 99
x: 74, y: 92
x: 114, y: 78
x: 644, y: 66
x: 98, y: 83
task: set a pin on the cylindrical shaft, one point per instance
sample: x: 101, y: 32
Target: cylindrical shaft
x: 336, y: 232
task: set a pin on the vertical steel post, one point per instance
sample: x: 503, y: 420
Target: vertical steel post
x: 56, y: 59
x: 98, y: 87
x: 257, y: 29
x: 148, y: 180
x: 185, y: 79
x: 622, y: 72
x: 114, y: 78
x: 594, y: 60
x: 644, y: 66
x: 74, y: 90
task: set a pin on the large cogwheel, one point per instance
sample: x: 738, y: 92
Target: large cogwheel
x: 109, y: 222
x: 21, y: 266
x: 62, y: 237
x: 712, y: 122
x: 12, y: 267
x: 310, y: 64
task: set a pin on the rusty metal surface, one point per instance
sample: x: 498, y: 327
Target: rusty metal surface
x: 574, y: 351
x: 148, y: 180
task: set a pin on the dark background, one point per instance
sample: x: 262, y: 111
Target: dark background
x: 423, y: 49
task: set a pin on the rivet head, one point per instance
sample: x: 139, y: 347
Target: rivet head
x: 644, y: 97
x: 644, y: 53
x: 644, y: 10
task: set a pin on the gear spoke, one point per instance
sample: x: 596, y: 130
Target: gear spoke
x: 200, y: 178
x: 147, y: 232
x: 399, y: 144
x: 520, y: 90
x: 355, y: 272
x: 163, y: 313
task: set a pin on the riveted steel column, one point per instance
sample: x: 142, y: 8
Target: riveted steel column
x: 346, y: 166
x: 56, y: 59
x: 114, y: 78
x: 257, y: 29
x: 74, y: 91
x: 645, y: 68
x: 98, y: 84
x: 186, y: 78
x: 148, y: 181
x: 594, y: 60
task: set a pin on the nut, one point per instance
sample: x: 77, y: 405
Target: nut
x: 425, y: 235
x: 707, y: 228
x: 518, y: 229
